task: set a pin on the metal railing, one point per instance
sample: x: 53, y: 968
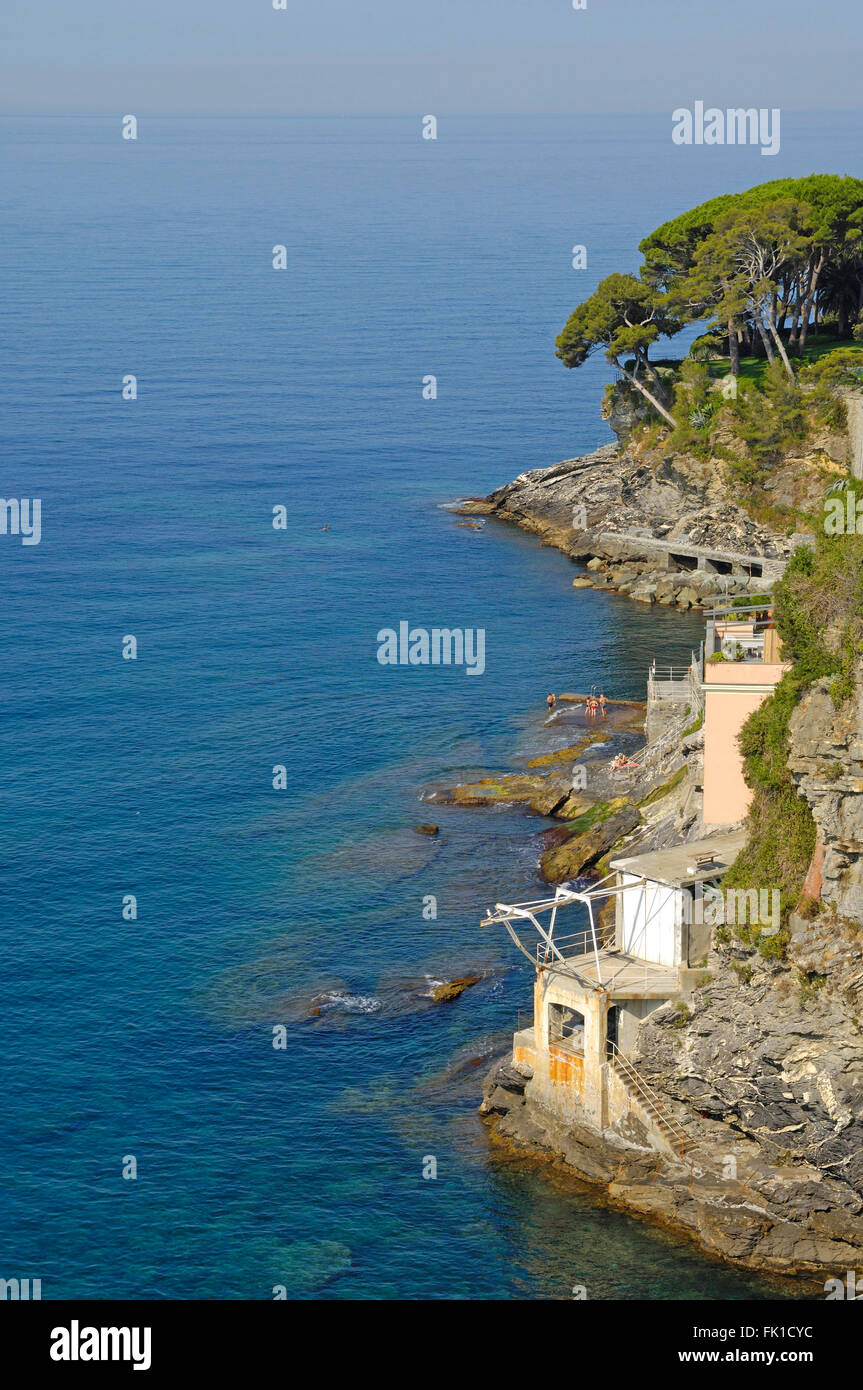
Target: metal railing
x: 676, y: 682
x: 576, y: 944
x: 669, y: 673
x: 522, y: 1015
x: 647, y: 1098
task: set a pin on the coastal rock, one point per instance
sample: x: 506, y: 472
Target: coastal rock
x: 451, y: 989
x: 504, y: 1087
x: 543, y: 795
x: 758, y: 1216
x: 567, y: 756
x: 584, y: 848
x: 427, y: 829
x: 606, y: 507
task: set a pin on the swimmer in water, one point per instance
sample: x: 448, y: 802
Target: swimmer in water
x: 551, y: 700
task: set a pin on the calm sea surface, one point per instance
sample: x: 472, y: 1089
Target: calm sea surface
x: 153, y: 1038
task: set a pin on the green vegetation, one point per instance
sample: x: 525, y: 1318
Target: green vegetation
x: 809, y: 986
x: 624, y: 316
x: 597, y: 813
x: 743, y: 972
x: 695, y: 725
x: 775, y: 274
x: 682, y: 1015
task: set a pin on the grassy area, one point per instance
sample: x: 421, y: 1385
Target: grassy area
x: 753, y: 368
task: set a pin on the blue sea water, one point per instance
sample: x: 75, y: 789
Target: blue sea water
x: 153, y: 1038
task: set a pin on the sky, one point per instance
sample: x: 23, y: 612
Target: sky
x: 467, y: 57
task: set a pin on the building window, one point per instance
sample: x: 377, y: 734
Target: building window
x: 566, y: 1027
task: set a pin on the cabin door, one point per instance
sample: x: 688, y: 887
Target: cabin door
x: 612, y: 1021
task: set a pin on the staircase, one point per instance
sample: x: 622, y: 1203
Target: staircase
x: 658, y: 1116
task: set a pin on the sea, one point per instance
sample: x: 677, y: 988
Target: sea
x: 223, y: 1074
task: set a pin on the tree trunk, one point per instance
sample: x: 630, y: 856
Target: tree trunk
x: 648, y: 395
x: 656, y: 380
x: 733, y: 349
x: 809, y: 300
x: 798, y: 303
x: 762, y: 333
x: 777, y: 338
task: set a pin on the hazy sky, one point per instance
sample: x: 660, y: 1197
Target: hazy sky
x: 403, y: 56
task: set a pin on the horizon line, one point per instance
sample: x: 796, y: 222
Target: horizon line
x: 387, y: 115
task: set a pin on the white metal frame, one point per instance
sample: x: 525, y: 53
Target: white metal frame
x: 507, y: 913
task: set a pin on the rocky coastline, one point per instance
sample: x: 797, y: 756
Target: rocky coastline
x: 763, y: 1067
x: 762, y: 1063
x: 626, y: 517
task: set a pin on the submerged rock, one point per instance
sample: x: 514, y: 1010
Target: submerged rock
x: 541, y: 794
x: 451, y: 989
x: 308, y: 1264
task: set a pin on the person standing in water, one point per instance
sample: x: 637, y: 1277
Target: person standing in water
x: 551, y: 700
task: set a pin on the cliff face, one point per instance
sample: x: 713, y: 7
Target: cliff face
x: 766, y: 1077
x: 826, y: 762
x: 773, y: 1050
x: 774, y: 1058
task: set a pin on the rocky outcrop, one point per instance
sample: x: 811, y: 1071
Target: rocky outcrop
x: 826, y: 761
x: 451, y: 989
x: 607, y: 507
x: 762, y: 1213
x: 545, y: 795
x: 581, y: 850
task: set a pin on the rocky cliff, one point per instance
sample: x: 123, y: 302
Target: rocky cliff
x: 763, y: 1064
x: 826, y: 762
x: 610, y: 508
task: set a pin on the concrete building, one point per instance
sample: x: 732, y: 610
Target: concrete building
x: 594, y: 988
x: 733, y: 688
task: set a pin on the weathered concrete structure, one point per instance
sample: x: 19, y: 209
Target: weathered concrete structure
x: 676, y: 553
x: 592, y: 991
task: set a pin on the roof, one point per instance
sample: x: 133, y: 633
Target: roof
x: 677, y: 864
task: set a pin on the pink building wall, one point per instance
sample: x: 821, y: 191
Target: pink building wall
x: 732, y: 690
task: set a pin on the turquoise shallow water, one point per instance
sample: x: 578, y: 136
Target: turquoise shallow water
x: 153, y: 1038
